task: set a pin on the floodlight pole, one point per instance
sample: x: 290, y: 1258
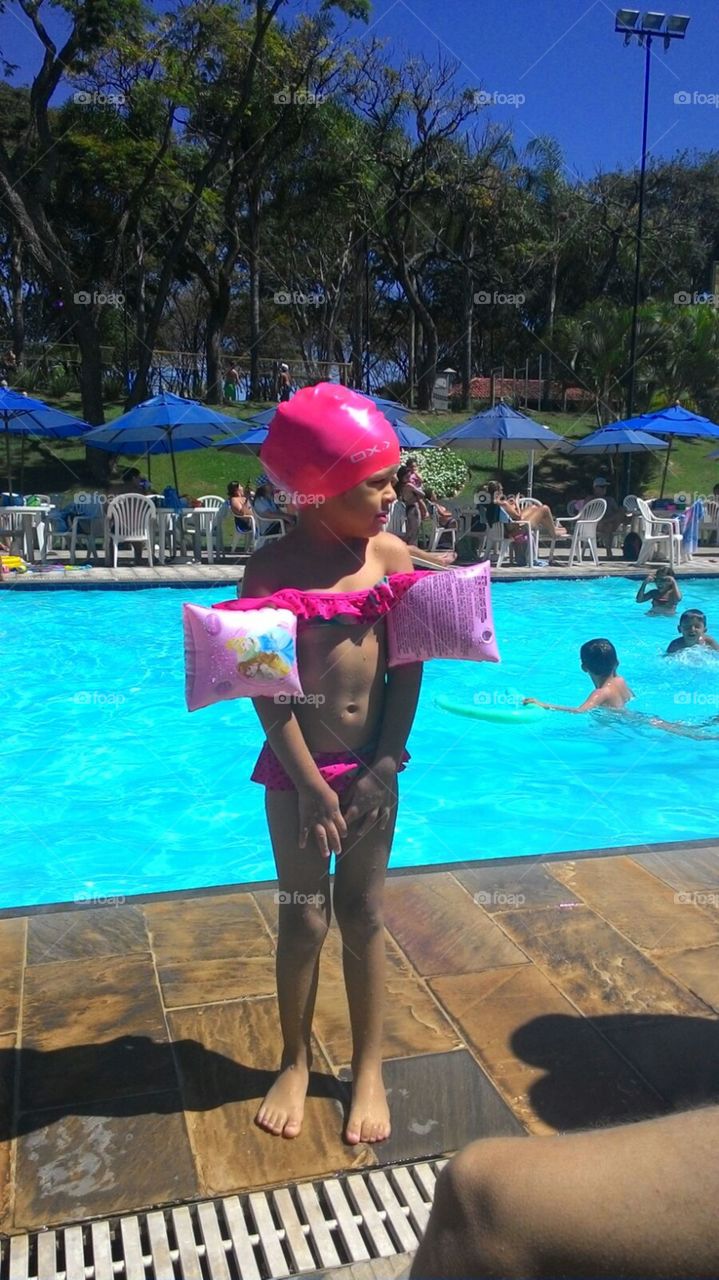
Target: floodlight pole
x: 675, y: 29
x: 640, y: 224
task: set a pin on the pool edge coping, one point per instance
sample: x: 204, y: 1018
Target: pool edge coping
x: 464, y: 864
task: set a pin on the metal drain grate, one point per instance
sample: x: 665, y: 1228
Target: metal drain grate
x: 357, y: 1217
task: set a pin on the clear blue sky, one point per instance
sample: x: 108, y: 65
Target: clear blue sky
x: 579, y: 82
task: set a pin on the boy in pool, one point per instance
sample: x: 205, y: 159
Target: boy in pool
x: 599, y: 660
x: 666, y: 594
x: 693, y: 632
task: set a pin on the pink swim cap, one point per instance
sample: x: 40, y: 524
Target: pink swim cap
x: 326, y: 440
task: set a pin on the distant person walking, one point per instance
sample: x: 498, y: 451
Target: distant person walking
x: 285, y: 382
x: 232, y: 384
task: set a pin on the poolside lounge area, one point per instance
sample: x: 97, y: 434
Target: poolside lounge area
x: 705, y: 562
x: 528, y: 996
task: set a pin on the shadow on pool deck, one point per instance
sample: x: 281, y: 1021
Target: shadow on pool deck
x: 535, y: 997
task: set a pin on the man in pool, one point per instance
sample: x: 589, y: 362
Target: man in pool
x: 599, y: 660
x: 692, y: 632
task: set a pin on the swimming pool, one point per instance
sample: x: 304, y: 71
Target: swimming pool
x: 110, y: 788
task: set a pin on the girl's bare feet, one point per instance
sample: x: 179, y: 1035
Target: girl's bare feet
x: 282, y: 1111
x: 369, y: 1113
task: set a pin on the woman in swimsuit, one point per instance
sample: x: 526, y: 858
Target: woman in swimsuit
x: 239, y: 506
x: 539, y: 517
x: 331, y: 759
x: 412, y: 497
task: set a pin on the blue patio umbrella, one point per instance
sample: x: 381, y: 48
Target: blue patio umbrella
x: 409, y: 437
x: 627, y: 440
x: 163, y: 424
x: 30, y: 418
x: 249, y: 441
x: 672, y: 420
x: 508, y: 427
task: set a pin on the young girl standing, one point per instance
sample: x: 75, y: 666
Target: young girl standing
x: 331, y: 760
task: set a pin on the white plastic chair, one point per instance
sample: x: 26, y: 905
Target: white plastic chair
x: 130, y: 518
x: 661, y: 538
x: 437, y: 532
x: 214, y: 502
x: 584, y: 533
x: 261, y: 526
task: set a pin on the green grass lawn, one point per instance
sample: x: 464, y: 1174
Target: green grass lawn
x: 61, y: 466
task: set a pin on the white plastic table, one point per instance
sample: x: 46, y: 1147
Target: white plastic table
x: 25, y: 520
x: 199, y: 520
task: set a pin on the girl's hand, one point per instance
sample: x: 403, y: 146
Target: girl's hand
x: 534, y: 702
x: 370, y: 798
x: 320, y: 818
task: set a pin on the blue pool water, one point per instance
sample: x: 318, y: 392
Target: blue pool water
x: 110, y: 788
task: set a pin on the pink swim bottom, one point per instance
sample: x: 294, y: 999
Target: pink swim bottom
x: 338, y: 768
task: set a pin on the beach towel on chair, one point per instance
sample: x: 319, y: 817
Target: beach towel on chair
x: 693, y: 517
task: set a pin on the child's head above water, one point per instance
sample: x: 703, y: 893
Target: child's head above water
x: 599, y: 658
x: 692, y: 625
x: 325, y: 441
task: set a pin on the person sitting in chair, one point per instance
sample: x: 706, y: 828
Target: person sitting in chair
x: 239, y: 506
x: 614, y: 518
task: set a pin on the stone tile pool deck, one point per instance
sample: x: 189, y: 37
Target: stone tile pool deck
x: 536, y: 995
x: 705, y: 562
x: 523, y: 996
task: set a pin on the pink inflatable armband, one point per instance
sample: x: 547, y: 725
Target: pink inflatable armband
x: 444, y: 615
x: 252, y: 654
x: 326, y: 440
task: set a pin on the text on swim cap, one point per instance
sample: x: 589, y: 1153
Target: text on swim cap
x: 369, y: 453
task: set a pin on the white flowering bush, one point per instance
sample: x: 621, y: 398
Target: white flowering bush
x: 442, y: 470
